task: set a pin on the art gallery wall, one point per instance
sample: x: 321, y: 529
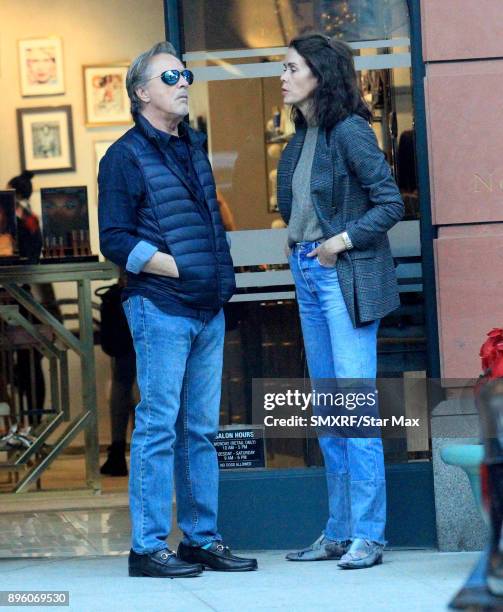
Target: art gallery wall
x: 93, y: 32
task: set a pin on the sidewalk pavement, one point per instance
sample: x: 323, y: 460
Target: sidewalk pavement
x: 407, y: 580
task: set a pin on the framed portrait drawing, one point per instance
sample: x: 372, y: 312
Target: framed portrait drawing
x: 41, y: 66
x: 46, y: 138
x: 105, y: 94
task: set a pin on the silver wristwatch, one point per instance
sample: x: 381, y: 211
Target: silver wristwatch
x: 347, y: 241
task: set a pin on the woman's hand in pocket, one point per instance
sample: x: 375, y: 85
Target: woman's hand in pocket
x: 328, y: 251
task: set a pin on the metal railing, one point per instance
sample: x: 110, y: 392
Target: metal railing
x: 47, y: 335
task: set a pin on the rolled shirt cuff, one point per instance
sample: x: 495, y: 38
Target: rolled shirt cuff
x: 139, y: 256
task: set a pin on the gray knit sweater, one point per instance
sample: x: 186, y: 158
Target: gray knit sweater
x: 303, y: 224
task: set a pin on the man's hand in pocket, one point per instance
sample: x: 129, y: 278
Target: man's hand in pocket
x: 162, y: 264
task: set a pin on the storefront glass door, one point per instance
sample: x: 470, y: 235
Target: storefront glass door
x: 236, y: 49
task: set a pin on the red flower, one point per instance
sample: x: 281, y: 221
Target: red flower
x: 492, y: 354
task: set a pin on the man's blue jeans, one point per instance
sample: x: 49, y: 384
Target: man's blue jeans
x: 179, y: 373
x: 335, y: 349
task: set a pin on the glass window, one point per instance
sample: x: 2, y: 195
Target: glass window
x: 236, y: 50
x: 254, y: 24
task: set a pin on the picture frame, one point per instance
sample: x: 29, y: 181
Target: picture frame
x: 41, y: 66
x: 8, y: 225
x: 100, y: 148
x: 46, y: 138
x: 65, y: 221
x: 105, y: 95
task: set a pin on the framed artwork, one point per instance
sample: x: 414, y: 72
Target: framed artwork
x: 46, y: 138
x: 8, y: 225
x: 41, y: 66
x: 65, y: 221
x: 105, y: 94
x: 100, y: 148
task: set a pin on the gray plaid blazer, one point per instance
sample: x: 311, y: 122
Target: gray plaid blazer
x: 352, y: 190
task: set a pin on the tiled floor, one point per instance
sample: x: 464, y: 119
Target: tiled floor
x: 73, y: 533
x: 69, y: 472
x: 67, y: 533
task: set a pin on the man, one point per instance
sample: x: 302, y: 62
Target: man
x: 159, y: 219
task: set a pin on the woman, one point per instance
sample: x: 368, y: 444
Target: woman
x: 29, y: 236
x: 29, y: 242
x: 337, y: 195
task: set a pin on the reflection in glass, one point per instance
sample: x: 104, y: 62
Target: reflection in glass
x: 248, y: 126
x: 251, y: 24
x: 238, y: 118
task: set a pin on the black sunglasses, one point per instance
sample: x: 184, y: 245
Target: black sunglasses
x: 171, y: 77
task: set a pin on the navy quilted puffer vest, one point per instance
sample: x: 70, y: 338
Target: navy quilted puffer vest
x: 175, y: 220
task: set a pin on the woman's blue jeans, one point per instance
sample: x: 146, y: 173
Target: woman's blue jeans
x: 179, y: 374
x: 336, y: 350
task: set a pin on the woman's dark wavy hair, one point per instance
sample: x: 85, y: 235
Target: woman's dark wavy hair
x: 337, y: 95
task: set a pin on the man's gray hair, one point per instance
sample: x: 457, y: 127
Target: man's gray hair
x: 138, y: 72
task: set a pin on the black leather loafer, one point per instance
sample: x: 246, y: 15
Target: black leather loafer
x: 161, y: 564
x: 218, y: 557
